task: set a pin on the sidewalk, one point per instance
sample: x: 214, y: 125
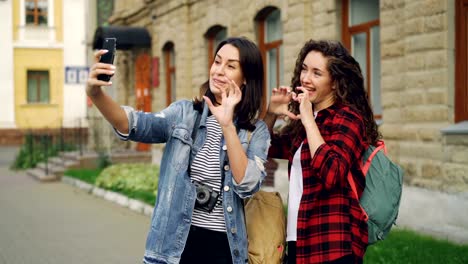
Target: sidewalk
x: 439, y: 214
x: 55, y: 223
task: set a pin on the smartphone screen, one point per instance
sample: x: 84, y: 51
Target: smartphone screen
x: 109, y: 44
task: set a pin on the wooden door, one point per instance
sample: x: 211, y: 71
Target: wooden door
x: 142, y: 88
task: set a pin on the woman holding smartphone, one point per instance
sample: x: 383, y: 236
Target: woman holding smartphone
x: 209, y: 164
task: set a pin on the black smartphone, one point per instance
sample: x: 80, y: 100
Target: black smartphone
x: 108, y: 44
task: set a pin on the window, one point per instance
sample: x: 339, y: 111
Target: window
x: 104, y: 11
x: 169, y: 66
x: 214, y: 36
x: 38, y: 87
x: 270, y: 43
x: 361, y: 33
x: 270, y: 34
x: 461, y: 61
x: 36, y: 12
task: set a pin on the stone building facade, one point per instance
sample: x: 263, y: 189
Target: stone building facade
x: 421, y: 102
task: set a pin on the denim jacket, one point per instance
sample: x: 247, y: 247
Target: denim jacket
x: 175, y: 201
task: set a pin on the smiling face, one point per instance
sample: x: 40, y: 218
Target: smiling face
x: 317, y: 80
x: 226, y: 66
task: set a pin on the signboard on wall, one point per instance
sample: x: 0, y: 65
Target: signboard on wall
x: 76, y: 74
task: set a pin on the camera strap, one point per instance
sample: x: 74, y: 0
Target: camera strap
x: 194, y: 136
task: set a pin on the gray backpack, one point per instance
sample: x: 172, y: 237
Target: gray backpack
x: 381, y: 197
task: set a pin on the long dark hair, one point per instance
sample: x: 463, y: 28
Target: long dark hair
x: 250, y: 59
x: 347, y: 78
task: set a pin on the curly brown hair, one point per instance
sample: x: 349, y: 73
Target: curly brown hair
x: 346, y: 76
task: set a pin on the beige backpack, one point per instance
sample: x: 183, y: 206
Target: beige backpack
x: 266, y: 228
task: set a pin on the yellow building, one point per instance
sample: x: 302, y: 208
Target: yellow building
x: 38, y: 63
x: 45, y: 69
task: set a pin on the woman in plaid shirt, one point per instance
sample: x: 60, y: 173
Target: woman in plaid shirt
x: 330, y: 124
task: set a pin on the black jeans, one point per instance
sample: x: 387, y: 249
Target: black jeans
x: 348, y: 259
x: 291, y: 259
x: 206, y: 246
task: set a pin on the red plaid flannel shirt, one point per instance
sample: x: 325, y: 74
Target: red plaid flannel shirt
x: 330, y: 222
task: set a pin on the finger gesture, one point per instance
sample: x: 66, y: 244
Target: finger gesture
x: 305, y: 106
x: 279, y: 102
x: 230, y: 97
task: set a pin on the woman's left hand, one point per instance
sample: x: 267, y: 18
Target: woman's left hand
x: 230, y: 97
x: 305, y: 106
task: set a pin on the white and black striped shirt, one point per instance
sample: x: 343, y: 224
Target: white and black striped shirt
x: 206, y: 169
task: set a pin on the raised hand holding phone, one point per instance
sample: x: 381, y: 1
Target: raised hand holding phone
x: 99, y: 75
x: 109, y: 44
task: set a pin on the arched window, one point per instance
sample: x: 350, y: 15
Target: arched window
x: 214, y: 36
x: 170, y: 70
x: 361, y: 35
x: 270, y: 36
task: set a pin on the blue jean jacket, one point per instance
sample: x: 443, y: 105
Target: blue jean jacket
x: 175, y: 201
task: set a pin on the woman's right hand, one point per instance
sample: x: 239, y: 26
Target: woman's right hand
x: 93, y: 84
x: 279, y: 102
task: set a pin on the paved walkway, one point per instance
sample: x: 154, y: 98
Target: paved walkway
x: 49, y: 223
x: 435, y: 213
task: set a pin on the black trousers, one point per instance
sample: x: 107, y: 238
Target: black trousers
x: 348, y: 259
x: 206, y: 246
x: 291, y: 252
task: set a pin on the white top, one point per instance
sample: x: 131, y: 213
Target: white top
x: 295, y: 194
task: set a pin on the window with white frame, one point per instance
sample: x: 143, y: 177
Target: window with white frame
x: 36, y: 12
x: 38, y: 86
x: 36, y: 22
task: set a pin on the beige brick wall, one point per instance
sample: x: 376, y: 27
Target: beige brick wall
x: 417, y: 92
x: 417, y: 66
x: 186, y: 23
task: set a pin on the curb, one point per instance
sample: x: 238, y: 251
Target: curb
x: 117, y: 198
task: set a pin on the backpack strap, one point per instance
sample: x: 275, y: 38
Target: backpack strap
x: 365, y: 168
x: 353, y: 188
x: 380, y: 145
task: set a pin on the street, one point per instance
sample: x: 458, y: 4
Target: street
x: 49, y: 223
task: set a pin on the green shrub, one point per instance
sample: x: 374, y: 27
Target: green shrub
x: 35, y: 149
x: 86, y: 175
x: 130, y: 177
x: 103, y: 161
